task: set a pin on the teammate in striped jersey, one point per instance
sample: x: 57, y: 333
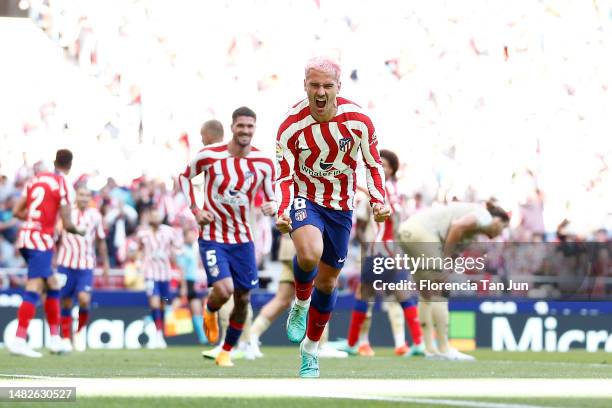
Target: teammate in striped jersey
x: 45, y: 196
x: 211, y: 132
x: 378, y: 240
x: 317, y: 148
x: 233, y: 173
x: 158, y: 243
x: 76, y: 259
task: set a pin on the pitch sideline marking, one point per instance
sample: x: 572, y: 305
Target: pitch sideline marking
x: 95, y: 382
x: 447, y: 402
x: 34, y: 377
x: 495, y: 388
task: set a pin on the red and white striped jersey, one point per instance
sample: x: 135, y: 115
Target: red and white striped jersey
x: 45, y: 193
x: 384, y: 231
x: 230, y: 184
x: 317, y: 160
x: 157, y: 248
x: 78, y: 252
x: 379, y: 236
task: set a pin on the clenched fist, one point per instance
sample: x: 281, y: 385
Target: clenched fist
x: 269, y: 208
x: 283, y: 223
x: 203, y: 217
x: 381, y: 212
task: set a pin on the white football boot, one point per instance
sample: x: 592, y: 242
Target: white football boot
x: 20, y: 347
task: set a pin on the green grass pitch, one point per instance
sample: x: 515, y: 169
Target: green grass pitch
x: 283, y: 362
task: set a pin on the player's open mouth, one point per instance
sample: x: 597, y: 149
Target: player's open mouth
x: 320, y: 103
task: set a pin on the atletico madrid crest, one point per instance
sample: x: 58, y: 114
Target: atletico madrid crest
x: 214, y: 271
x: 345, y: 144
x: 300, y: 215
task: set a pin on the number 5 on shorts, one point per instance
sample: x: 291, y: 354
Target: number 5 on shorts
x: 211, y: 257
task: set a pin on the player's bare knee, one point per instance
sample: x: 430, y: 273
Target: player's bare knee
x: 308, y: 260
x: 34, y: 285
x: 223, y: 290
x: 52, y: 283
x: 309, y: 251
x: 224, y: 294
x: 154, y: 302
x: 84, y: 299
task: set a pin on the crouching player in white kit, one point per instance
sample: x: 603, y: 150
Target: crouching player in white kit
x: 76, y: 260
x: 233, y: 172
x: 158, y: 243
x: 433, y: 233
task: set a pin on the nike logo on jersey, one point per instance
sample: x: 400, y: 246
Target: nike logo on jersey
x: 254, y: 282
x: 325, y: 166
x: 341, y: 260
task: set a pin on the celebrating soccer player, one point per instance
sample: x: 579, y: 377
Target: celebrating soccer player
x: 317, y: 148
x: 233, y: 173
x: 45, y: 196
x: 76, y: 259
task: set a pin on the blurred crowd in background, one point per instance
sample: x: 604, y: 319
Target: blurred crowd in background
x: 479, y: 102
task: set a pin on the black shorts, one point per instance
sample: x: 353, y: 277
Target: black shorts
x: 192, y: 293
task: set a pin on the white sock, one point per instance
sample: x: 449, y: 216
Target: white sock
x: 303, y: 303
x: 363, y: 338
x: 310, y: 346
x: 400, y: 339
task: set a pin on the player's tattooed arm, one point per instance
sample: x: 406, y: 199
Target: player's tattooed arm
x: 20, y: 210
x: 69, y: 226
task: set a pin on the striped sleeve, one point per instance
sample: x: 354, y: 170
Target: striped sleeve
x: 285, y: 158
x: 375, y: 175
x: 269, y: 176
x: 65, y: 198
x: 197, y: 165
